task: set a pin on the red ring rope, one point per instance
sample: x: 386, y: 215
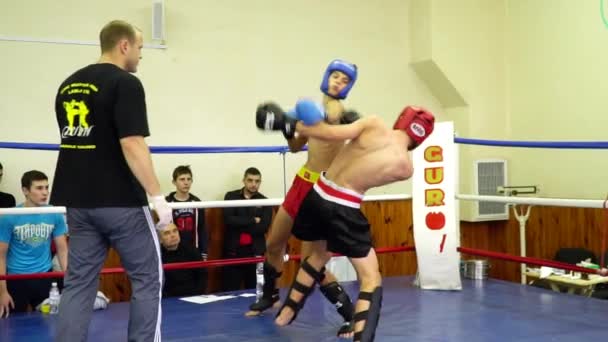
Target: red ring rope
x: 241, y: 261
x: 528, y: 260
x: 187, y: 265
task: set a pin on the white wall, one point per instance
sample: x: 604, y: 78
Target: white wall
x: 460, y: 51
x: 511, y: 69
x: 557, y: 91
x: 223, y: 58
x: 520, y: 70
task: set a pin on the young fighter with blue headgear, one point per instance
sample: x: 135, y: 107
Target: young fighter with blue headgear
x: 340, y: 76
x: 337, y: 82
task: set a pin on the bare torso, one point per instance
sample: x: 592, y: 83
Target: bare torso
x: 322, y: 153
x: 377, y: 157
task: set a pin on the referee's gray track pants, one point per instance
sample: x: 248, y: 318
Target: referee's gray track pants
x: 131, y: 232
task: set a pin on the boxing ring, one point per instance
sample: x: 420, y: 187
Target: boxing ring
x: 483, y: 310
x: 489, y: 311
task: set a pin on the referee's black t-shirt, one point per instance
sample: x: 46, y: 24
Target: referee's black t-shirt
x: 96, y: 107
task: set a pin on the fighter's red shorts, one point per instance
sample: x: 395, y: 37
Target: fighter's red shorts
x: 302, y: 183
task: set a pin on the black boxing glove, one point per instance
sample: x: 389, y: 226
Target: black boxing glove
x: 270, y: 117
x: 349, y: 116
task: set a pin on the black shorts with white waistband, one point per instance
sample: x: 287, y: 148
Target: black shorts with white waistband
x: 340, y: 222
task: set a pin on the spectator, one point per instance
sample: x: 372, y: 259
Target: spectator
x: 245, y: 232
x: 25, y: 247
x: 6, y: 200
x: 190, y: 221
x: 188, y: 282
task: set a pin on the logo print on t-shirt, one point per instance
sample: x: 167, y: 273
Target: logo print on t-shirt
x: 75, y: 109
x: 77, y: 113
x: 33, y: 234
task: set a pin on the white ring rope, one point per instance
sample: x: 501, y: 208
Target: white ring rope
x: 556, y: 202
x: 549, y: 202
x: 202, y: 204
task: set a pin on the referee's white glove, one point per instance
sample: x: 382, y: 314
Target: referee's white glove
x: 164, y: 213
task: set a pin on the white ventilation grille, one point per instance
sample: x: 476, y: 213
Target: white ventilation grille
x: 489, y: 175
x: 158, y: 20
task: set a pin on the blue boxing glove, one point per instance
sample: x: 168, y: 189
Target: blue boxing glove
x: 309, y: 112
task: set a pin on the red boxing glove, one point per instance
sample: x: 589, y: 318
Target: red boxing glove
x: 417, y: 122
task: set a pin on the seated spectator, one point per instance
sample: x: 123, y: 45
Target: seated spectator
x: 6, y: 200
x: 187, y: 282
x: 55, y: 257
x: 189, y: 221
x: 25, y: 247
x: 245, y: 232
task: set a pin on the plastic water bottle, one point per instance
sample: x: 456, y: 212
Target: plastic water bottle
x: 54, y: 299
x: 259, y: 276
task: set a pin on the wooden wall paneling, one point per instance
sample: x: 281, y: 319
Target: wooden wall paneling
x: 548, y: 229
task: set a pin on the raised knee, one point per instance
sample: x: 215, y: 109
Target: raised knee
x: 274, y: 249
x: 326, y: 256
x: 371, y: 281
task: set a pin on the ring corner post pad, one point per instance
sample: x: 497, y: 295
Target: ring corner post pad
x: 434, y: 210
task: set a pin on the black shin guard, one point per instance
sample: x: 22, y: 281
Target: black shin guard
x: 371, y: 316
x: 338, y: 297
x: 317, y: 276
x: 270, y: 293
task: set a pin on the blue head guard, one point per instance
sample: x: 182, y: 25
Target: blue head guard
x: 347, y: 68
